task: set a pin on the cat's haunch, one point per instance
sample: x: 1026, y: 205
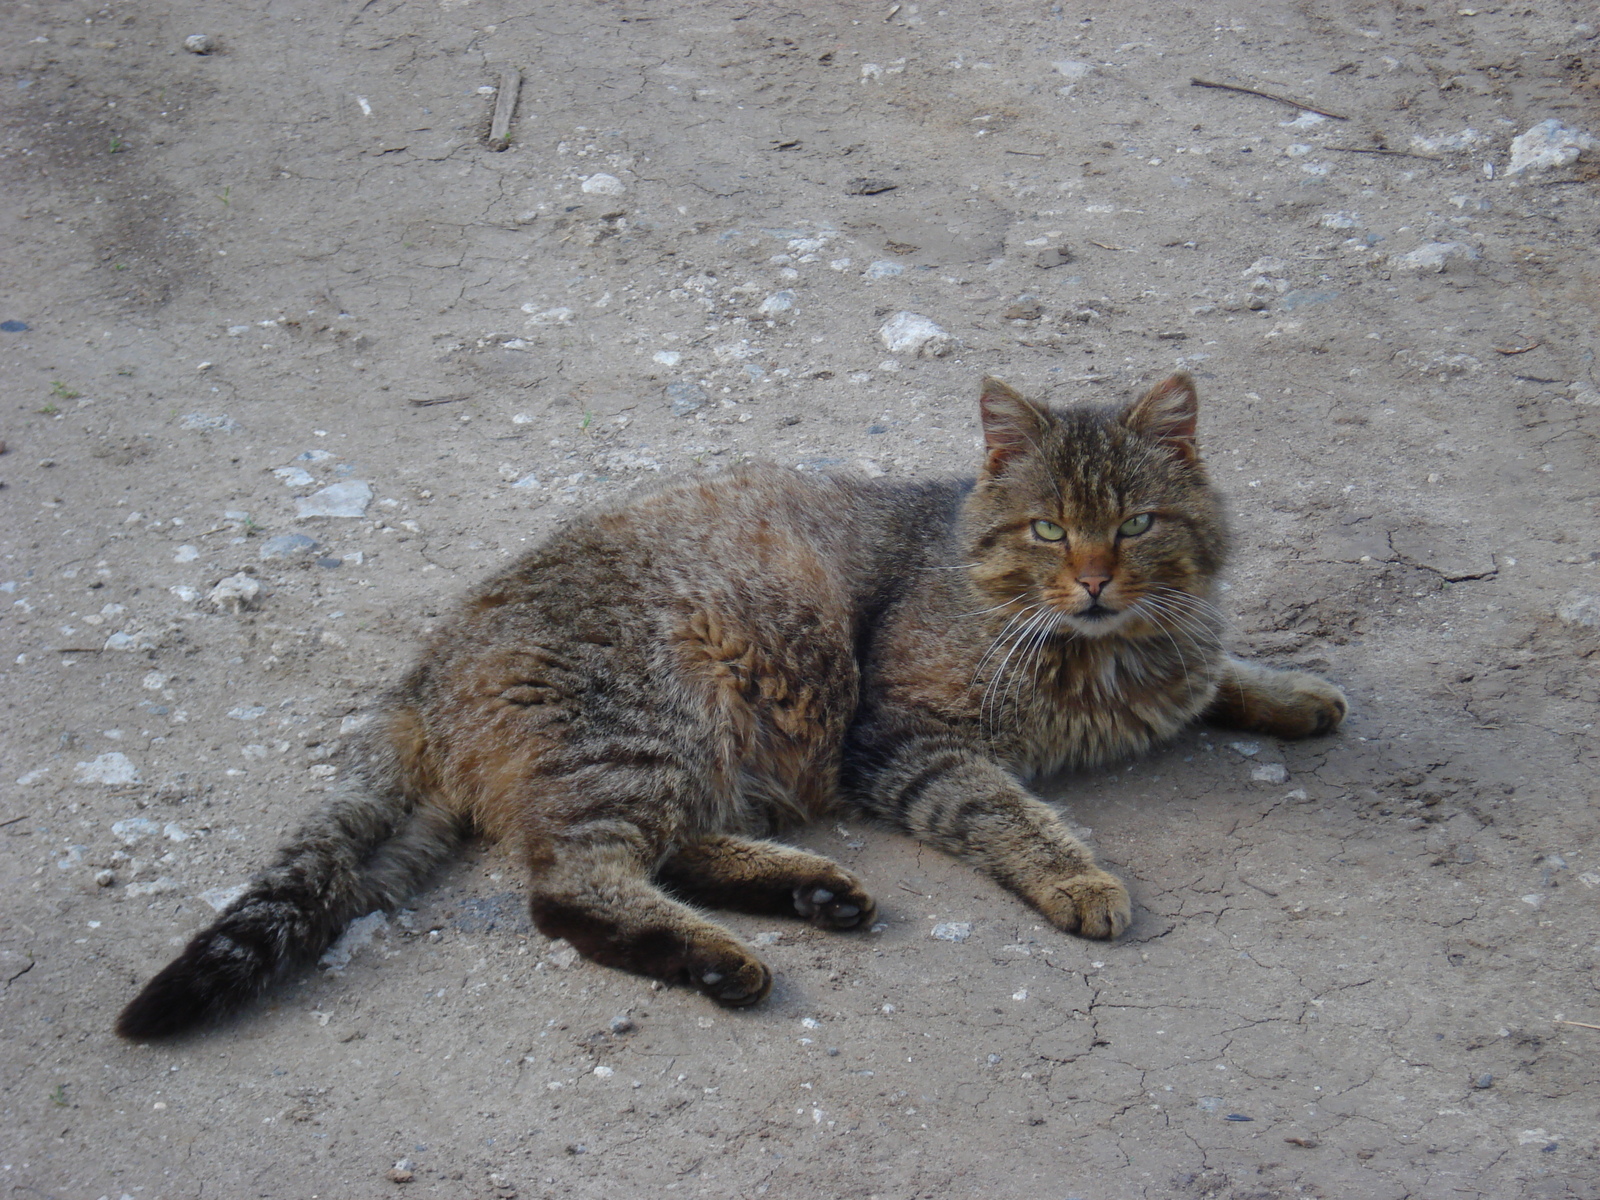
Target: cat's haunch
x: 639, y: 700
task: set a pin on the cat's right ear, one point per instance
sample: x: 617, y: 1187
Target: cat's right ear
x: 1167, y: 413
x: 1012, y: 424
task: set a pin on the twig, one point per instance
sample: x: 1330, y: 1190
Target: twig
x: 1579, y: 1024
x: 80, y: 649
x: 1381, y: 150
x: 1103, y: 246
x: 505, y: 104
x: 1228, y: 87
x: 441, y: 400
x: 1026, y: 153
x: 1517, y: 349
x: 1258, y: 887
x: 13, y: 820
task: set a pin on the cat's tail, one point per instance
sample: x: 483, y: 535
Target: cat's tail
x: 369, y: 848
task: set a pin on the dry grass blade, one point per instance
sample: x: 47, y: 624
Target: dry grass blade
x: 1289, y: 100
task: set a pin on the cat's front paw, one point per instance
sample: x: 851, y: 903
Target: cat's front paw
x: 1094, y: 904
x: 837, y: 902
x: 1311, y: 707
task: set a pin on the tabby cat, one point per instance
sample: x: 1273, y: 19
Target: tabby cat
x: 638, y: 700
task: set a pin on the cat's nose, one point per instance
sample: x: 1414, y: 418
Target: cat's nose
x: 1094, y: 583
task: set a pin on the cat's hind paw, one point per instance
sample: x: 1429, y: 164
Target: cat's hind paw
x: 731, y: 976
x: 1094, y: 904
x: 835, y: 903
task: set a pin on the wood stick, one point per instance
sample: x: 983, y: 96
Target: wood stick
x: 1380, y: 150
x: 1228, y: 87
x: 1579, y: 1024
x: 505, y: 105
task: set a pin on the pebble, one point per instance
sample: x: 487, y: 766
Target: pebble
x: 1053, y: 256
x: 884, y: 269
x: 234, y: 594
x: 220, y: 898
x: 287, y: 545
x: 1023, y: 308
x: 686, y: 397
x: 186, y: 554
x: 621, y: 1025
x: 1579, y: 609
x: 357, y: 936
x: 778, y: 302
x: 158, y: 887
x: 1548, y: 145
x: 294, y: 476
x: 199, y: 43
x: 208, y: 423
x: 1270, y: 773
x: 110, y: 769
x: 1485, y: 1080
x: 952, y: 931
x: 1433, y: 257
x: 911, y: 333
x: 14, y: 326
x: 604, y: 185
x: 346, y: 499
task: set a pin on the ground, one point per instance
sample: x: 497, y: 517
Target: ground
x: 1362, y: 966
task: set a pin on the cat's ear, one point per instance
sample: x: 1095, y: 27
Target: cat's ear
x: 1167, y: 413
x: 1012, y: 424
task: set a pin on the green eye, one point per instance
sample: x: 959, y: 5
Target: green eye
x: 1048, y: 531
x: 1134, y: 526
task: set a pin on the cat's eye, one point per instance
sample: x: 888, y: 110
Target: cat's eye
x: 1134, y: 526
x: 1048, y: 531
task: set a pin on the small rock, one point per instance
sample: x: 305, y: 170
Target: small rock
x: 357, y: 936
x: 111, y: 769
x: 1023, y: 308
x: 911, y: 333
x: 864, y: 185
x: 778, y: 302
x: 1245, y: 749
x: 1485, y: 1080
x: 14, y: 326
x: 686, y: 397
x: 1270, y: 773
x: 604, y: 185
x: 206, y: 423
x: 347, y: 499
x: 158, y: 887
x: 547, y: 316
x: 221, y: 898
x: 621, y: 1025
x: 234, y: 594
x: 1053, y: 256
x: 562, y: 955
x: 133, y: 829
x: 1547, y: 145
x: 199, y: 43
x: 287, y: 545
x: 1579, y: 609
x: 952, y: 931
x: 884, y: 269
x: 186, y: 554
x: 295, y: 477
x: 1434, y: 257
x: 105, y: 878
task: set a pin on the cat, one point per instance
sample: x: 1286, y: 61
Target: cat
x: 640, y: 699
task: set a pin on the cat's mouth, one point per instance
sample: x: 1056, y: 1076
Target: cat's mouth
x: 1096, y: 618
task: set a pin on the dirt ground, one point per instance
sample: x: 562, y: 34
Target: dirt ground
x: 237, y: 279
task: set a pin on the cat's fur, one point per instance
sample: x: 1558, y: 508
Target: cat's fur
x: 635, y: 702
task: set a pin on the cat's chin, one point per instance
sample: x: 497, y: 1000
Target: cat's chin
x: 1099, y: 621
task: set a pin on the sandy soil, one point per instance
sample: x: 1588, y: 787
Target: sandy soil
x: 293, y: 263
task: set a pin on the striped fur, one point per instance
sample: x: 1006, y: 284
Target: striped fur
x: 639, y: 700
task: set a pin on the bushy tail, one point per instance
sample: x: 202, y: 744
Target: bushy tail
x: 368, y: 849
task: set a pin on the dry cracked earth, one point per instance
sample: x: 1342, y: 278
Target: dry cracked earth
x: 289, y: 276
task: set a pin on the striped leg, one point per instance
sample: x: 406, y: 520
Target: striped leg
x: 947, y: 793
x: 766, y: 877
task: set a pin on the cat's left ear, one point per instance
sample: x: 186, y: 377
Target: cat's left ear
x: 1167, y: 413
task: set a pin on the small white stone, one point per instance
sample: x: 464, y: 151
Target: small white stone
x: 914, y: 334
x: 952, y: 931
x: 668, y: 358
x: 1273, y: 773
x: 1434, y: 257
x: 186, y: 554
x: 1547, y: 145
x: 604, y: 185
x: 110, y: 769
x: 234, y: 594
x: 346, y: 499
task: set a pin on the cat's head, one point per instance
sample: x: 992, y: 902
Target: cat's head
x: 1104, y: 517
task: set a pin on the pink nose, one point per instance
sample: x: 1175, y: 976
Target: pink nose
x: 1094, y: 583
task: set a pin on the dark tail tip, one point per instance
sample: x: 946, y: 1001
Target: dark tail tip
x: 170, y: 1003
x: 224, y: 967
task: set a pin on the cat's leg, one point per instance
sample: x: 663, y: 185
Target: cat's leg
x: 1288, y: 704
x: 591, y: 885
x: 949, y: 794
x: 767, y: 877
